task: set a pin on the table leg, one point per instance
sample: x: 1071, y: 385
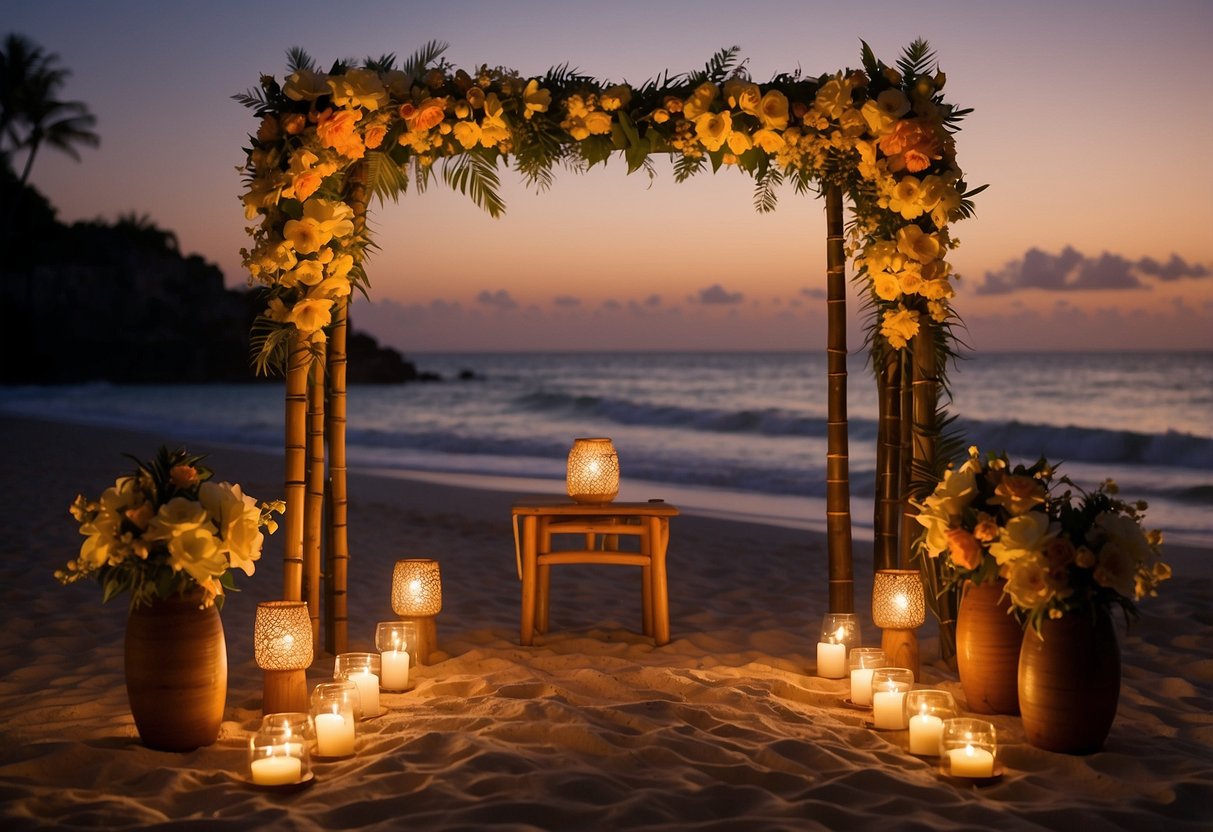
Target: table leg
x: 659, y: 533
x: 529, y: 542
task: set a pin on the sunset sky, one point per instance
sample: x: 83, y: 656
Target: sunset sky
x: 1091, y: 125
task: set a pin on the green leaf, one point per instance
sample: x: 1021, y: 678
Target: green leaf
x: 637, y: 154
x: 473, y: 173
x: 419, y: 61
x: 687, y: 166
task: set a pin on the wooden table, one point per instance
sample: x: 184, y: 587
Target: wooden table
x: 600, y: 526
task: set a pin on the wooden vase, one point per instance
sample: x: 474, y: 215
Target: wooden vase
x: 988, y: 640
x: 1069, y: 682
x: 176, y: 673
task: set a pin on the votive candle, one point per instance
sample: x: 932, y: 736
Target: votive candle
x: 889, y: 688
x: 863, y: 661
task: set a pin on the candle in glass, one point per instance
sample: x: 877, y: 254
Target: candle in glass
x: 333, y: 717
x: 969, y: 748
x: 889, y: 688
x: 863, y: 661
x: 926, y: 710
x: 363, y: 670
x: 277, y: 757
x: 839, y: 633
x: 393, y: 639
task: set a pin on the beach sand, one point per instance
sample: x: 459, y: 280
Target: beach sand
x: 593, y: 727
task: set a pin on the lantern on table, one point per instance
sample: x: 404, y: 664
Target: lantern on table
x: 593, y: 471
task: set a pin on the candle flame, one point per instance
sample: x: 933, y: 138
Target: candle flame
x: 840, y: 634
x: 922, y: 709
x: 901, y: 601
x: 415, y: 587
x: 969, y: 750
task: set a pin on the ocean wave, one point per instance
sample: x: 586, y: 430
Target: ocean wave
x: 1170, y: 449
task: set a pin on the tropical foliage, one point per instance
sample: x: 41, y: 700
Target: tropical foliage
x: 883, y: 134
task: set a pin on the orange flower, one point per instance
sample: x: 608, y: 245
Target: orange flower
x: 183, y: 476
x: 964, y: 548
x: 1018, y: 494
x: 338, y: 129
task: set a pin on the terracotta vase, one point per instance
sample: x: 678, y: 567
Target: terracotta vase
x: 176, y: 673
x: 988, y: 639
x: 1069, y: 683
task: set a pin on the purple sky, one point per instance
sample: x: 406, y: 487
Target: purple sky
x: 1091, y: 126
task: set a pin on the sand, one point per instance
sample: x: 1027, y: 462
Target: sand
x: 726, y: 727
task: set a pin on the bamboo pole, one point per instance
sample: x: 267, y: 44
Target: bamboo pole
x: 905, y: 471
x: 338, y: 551
x: 295, y: 475
x: 838, y: 486
x: 313, y: 507
x: 888, y: 510
x: 336, y: 599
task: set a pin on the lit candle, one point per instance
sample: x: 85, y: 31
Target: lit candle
x: 395, y: 669
x: 971, y: 762
x: 926, y: 734
x: 888, y: 708
x: 368, y: 692
x: 832, y: 657
x: 334, y: 735
x: 276, y: 770
x: 861, y: 686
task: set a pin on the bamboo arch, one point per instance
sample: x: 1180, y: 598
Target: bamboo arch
x: 329, y: 141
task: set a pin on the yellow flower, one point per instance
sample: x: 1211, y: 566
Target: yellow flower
x: 913, y: 242
x: 197, y: 552
x: 886, y: 286
x: 493, y: 129
x: 1028, y: 582
x: 739, y: 142
x: 176, y: 517
x: 613, y: 98
x: 749, y: 99
x: 1024, y: 535
x: 598, y: 123
x: 769, y: 140
x: 467, y: 133
x: 904, y: 199
x: 334, y: 218
x: 954, y: 493
x: 713, y: 129
x: 899, y: 326
x: 304, y: 235
x: 359, y: 88
x: 700, y: 100
x: 1018, y: 494
x: 307, y: 272
x: 834, y: 97
x: 238, y: 521
x: 773, y: 110
x: 310, y: 314
x: 305, y: 85
x: 535, y: 99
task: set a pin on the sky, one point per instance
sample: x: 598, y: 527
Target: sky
x: 1091, y: 125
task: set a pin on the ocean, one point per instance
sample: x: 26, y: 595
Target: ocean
x: 740, y: 435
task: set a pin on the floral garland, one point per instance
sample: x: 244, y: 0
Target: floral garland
x: 883, y: 134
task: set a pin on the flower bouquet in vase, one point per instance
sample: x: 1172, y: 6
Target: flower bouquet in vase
x: 171, y: 537
x: 974, y: 508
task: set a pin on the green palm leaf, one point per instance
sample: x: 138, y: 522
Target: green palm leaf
x: 424, y: 57
x: 474, y: 173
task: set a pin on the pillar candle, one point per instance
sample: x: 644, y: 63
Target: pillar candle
x: 395, y: 669
x: 831, y: 660
x: 368, y: 692
x: 971, y: 762
x: 926, y: 734
x: 334, y: 735
x: 888, y: 709
x: 861, y: 686
x: 278, y: 770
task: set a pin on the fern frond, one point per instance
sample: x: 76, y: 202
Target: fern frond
x: 718, y: 67
x: 268, y: 346
x: 420, y: 60
x: 297, y: 59
x: 686, y: 166
x: 767, y: 182
x: 474, y: 174
x: 916, y: 60
x: 384, y: 178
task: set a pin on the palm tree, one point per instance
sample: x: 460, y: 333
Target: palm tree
x: 31, y: 113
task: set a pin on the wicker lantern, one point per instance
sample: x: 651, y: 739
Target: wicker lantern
x: 898, y: 609
x: 282, y: 648
x: 417, y: 597
x: 593, y: 473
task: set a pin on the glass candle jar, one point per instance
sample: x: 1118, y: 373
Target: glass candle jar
x: 863, y: 661
x: 889, y: 688
x: 363, y: 670
x: 839, y: 633
x: 970, y: 748
x: 278, y: 757
x: 926, y: 711
x: 396, y: 642
x: 333, y: 706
